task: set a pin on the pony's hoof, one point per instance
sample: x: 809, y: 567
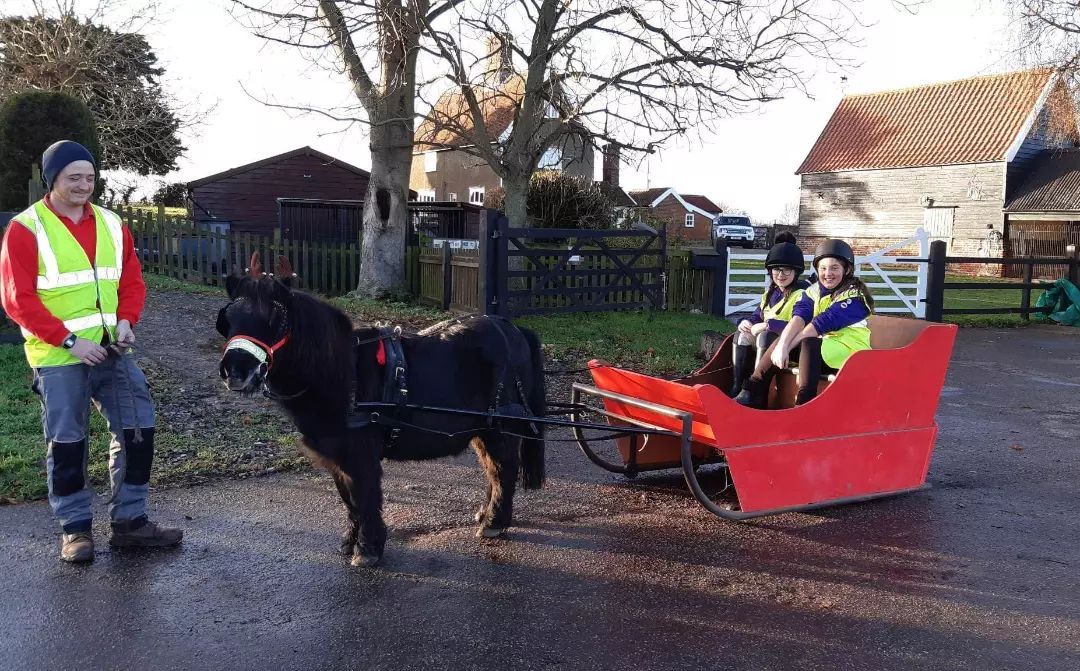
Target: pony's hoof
x: 491, y: 532
x: 366, y: 561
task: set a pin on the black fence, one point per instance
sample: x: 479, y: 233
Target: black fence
x: 304, y: 220
x: 936, y: 284
x: 445, y: 220
x: 554, y: 270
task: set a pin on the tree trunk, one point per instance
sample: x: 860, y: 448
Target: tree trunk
x: 382, y: 267
x: 517, y: 196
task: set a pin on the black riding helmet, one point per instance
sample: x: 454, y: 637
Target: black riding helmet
x: 837, y: 249
x: 786, y: 255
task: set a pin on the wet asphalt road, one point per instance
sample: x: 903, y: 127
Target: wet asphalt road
x: 980, y: 572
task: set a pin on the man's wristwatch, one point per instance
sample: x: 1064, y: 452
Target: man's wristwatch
x: 69, y: 341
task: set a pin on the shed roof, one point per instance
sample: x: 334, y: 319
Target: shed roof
x: 1052, y: 184
x: 326, y: 158
x: 972, y: 120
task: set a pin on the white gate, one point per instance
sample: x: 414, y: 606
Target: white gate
x: 897, y: 287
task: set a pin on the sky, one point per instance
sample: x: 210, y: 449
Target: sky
x: 215, y: 64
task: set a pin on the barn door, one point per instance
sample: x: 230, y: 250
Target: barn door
x: 938, y: 222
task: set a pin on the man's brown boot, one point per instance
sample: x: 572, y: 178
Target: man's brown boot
x: 77, y: 547
x: 149, y: 535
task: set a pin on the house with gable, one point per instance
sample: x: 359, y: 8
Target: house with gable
x: 948, y: 157
x: 443, y: 168
x: 687, y: 216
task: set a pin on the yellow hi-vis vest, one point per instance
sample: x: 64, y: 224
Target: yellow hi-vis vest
x: 80, y: 294
x: 837, y: 346
x: 782, y: 310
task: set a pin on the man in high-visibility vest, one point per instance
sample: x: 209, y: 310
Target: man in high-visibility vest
x: 71, y: 279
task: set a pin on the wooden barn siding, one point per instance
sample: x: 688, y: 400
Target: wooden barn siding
x: 249, y: 199
x: 871, y: 208
x: 674, y: 213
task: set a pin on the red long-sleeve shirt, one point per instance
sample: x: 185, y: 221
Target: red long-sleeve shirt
x: 19, y: 270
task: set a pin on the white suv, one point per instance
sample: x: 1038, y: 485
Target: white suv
x: 736, y: 230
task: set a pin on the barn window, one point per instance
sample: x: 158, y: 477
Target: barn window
x: 452, y: 197
x: 431, y: 161
x: 476, y: 195
x: 426, y: 196
x: 689, y: 221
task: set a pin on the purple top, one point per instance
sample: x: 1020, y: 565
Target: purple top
x: 775, y: 296
x: 835, y: 317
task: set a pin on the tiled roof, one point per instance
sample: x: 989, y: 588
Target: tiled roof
x: 966, y: 121
x: 450, y: 118
x: 645, y: 198
x: 325, y: 158
x: 616, y: 194
x: 1052, y: 184
x: 701, y: 201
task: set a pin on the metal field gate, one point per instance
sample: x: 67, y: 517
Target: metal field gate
x: 557, y: 270
x: 897, y: 282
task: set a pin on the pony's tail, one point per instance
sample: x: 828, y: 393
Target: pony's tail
x: 532, y: 448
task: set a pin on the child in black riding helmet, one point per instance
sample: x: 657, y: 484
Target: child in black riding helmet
x: 829, y: 323
x: 785, y: 265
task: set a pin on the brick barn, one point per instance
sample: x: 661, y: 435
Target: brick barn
x: 948, y: 157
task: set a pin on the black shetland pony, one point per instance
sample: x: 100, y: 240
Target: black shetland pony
x: 307, y: 356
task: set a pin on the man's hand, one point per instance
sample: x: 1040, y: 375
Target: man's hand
x: 89, y: 352
x: 758, y: 329
x: 125, y: 337
x: 745, y: 326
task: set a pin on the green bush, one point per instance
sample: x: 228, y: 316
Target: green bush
x: 557, y: 200
x: 30, y: 122
x: 170, y: 194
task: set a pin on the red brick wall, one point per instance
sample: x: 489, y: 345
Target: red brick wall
x: 671, y: 211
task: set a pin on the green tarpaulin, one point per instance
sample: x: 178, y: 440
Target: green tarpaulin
x: 1063, y: 301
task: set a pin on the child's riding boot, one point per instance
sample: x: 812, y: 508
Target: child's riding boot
x: 754, y: 394
x: 742, y: 366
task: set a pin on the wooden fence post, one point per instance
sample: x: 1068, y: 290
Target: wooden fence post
x: 500, y: 249
x: 935, y: 283
x: 1025, y: 295
x: 716, y: 263
x: 485, y: 283
x: 1074, y: 263
x: 35, y: 187
x: 447, y: 275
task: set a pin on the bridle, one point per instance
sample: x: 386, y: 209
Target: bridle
x: 262, y: 352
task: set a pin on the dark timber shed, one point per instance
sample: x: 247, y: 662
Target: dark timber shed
x: 249, y: 198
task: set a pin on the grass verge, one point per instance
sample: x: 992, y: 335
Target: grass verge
x: 182, y: 456
x: 655, y: 343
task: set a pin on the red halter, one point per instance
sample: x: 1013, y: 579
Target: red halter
x: 268, y: 349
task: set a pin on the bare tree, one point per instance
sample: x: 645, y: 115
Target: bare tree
x: 375, y: 45
x: 631, y: 72
x: 109, y: 67
x: 1047, y: 34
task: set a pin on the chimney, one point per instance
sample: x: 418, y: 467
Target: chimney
x: 500, y: 61
x: 611, y: 164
